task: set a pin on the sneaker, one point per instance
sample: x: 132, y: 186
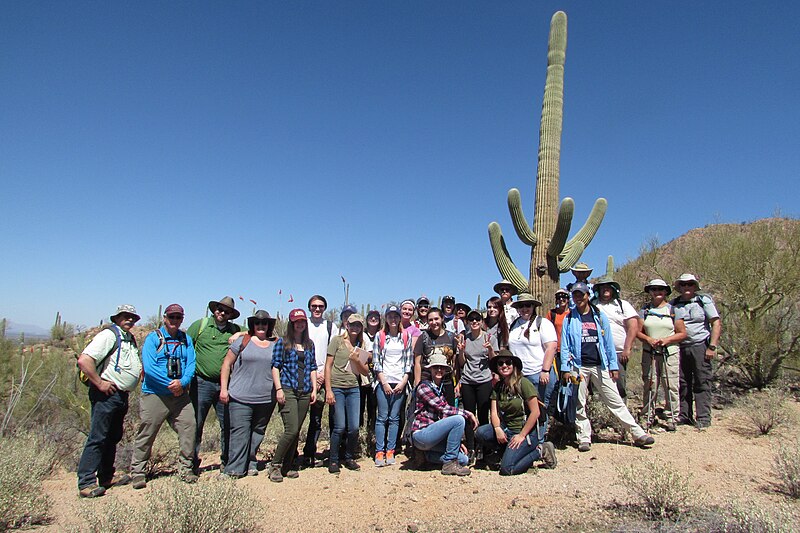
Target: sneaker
x: 92, y: 491
x: 390, y: 460
x: 644, y: 440
x: 669, y: 425
x: 380, y: 459
x: 308, y: 462
x: 549, y: 455
x: 584, y: 446
x: 350, y: 464
x: 452, y: 468
x: 333, y: 468
x: 124, y: 479
x: 683, y: 421
x: 702, y: 426
x: 189, y: 477
x: 292, y: 474
x: 139, y: 482
x: 275, y: 473
x: 252, y: 472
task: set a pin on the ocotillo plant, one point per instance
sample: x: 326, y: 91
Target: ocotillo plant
x: 551, y: 252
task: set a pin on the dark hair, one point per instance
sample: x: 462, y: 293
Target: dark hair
x: 502, y: 323
x: 288, y: 338
x: 317, y: 297
x: 435, y: 310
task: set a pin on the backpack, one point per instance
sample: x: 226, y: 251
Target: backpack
x: 382, y: 339
x: 162, y: 341
x: 647, y: 312
x: 100, y: 365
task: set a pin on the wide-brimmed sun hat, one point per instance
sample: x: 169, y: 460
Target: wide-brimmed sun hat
x: 226, y: 302
x: 657, y: 282
x: 465, y: 307
x: 259, y: 316
x: 581, y: 267
x: 525, y: 298
x: 505, y: 283
x: 437, y: 358
x: 125, y: 308
x: 606, y: 280
x: 687, y: 278
x: 505, y: 354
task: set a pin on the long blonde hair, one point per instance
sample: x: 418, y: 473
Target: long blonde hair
x: 514, y: 386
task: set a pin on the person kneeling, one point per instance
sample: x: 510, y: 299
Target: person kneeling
x: 438, y: 426
x: 514, y: 414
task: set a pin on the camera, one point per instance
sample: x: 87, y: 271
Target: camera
x: 174, y: 368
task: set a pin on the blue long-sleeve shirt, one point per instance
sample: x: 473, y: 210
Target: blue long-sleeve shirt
x: 154, y: 361
x: 571, y: 331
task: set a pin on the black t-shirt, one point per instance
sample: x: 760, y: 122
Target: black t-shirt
x: 590, y: 354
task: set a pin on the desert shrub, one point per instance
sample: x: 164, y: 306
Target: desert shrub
x: 662, y: 492
x: 604, y: 423
x: 107, y: 515
x: 24, y: 462
x: 748, y: 518
x: 214, y: 506
x: 766, y: 410
x: 787, y: 467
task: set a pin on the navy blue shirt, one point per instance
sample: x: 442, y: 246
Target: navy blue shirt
x: 590, y: 355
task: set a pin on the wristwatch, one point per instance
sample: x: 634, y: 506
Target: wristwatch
x: 712, y: 347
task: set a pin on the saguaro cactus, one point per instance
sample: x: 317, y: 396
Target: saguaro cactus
x: 551, y: 252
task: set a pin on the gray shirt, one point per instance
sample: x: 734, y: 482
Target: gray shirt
x: 251, y: 374
x: 697, y: 317
x: 476, y: 368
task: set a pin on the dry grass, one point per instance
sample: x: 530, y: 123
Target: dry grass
x: 661, y: 491
x: 787, y: 467
x: 24, y: 462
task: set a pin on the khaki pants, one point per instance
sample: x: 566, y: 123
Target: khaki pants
x: 602, y: 383
x: 154, y: 410
x: 667, y: 370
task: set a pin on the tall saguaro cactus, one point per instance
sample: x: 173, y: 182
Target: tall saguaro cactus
x: 551, y: 252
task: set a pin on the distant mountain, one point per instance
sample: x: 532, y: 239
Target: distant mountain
x: 14, y: 329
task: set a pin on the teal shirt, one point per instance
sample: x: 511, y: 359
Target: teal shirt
x: 211, y: 346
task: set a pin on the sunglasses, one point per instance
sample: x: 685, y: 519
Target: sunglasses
x: 223, y: 311
x: 504, y: 362
x: 316, y: 307
x: 524, y: 306
x: 562, y: 297
x: 504, y: 290
x: 658, y: 289
x: 261, y: 322
x: 476, y: 319
x: 686, y: 284
x: 175, y: 317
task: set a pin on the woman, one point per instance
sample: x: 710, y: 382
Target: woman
x: 406, y: 313
x: 533, y: 340
x: 294, y: 370
x: 475, y: 352
x: 436, y: 336
x: 393, y: 363
x: 342, y: 393
x: 515, y: 410
x: 557, y: 314
x: 249, y: 393
x: 495, y: 322
x: 438, y: 426
x: 369, y: 404
x: 660, y: 334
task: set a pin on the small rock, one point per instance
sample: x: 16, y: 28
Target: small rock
x: 414, y: 498
x: 412, y: 528
x: 476, y: 491
x: 408, y: 484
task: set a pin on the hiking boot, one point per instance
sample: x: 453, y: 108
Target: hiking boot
x: 452, y: 468
x: 333, y: 468
x: 683, y: 421
x: 308, y: 462
x: 380, y: 459
x: 124, y: 479
x: 669, y: 425
x: 92, y: 491
x: 390, y: 460
x: 584, y: 446
x: 139, y: 482
x: 702, y: 425
x: 418, y: 459
x: 189, y: 477
x: 275, y: 473
x: 350, y: 464
x: 644, y: 440
x: 549, y: 455
x: 252, y: 472
x: 292, y: 474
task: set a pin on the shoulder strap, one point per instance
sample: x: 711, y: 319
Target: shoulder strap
x: 203, y: 325
x: 330, y: 329
x: 406, y: 340
x: 381, y: 339
x: 538, y: 322
x: 161, y: 340
x: 245, y: 340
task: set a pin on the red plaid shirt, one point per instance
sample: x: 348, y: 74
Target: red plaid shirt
x: 431, y: 406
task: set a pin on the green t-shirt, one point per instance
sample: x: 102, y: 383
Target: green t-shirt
x: 341, y: 376
x: 211, y: 346
x: 659, y: 323
x: 513, y: 409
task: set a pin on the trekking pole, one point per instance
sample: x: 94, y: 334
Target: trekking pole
x: 650, y: 402
x: 666, y: 382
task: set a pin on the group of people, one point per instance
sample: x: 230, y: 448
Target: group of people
x: 453, y: 384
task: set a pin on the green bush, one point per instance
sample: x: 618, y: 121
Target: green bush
x: 787, y: 466
x: 662, y: 492
x: 24, y: 462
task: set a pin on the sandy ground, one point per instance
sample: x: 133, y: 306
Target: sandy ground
x: 582, y: 494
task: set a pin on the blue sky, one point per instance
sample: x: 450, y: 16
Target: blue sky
x: 180, y: 151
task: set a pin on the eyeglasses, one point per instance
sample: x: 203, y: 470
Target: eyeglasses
x: 505, y: 362
x: 312, y: 306
x: 175, y: 317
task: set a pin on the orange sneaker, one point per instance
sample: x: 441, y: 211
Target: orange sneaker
x: 380, y: 459
x: 389, y: 457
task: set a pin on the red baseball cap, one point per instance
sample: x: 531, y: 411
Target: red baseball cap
x: 174, y: 308
x: 297, y: 314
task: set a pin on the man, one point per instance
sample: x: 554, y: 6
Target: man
x: 111, y: 364
x: 703, y: 329
x: 506, y: 290
x: 320, y: 330
x: 168, y: 360
x: 624, y: 323
x: 557, y: 314
x: 423, y: 305
x: 211, y: 338
x: 451, y: 322
x: 588, y: 354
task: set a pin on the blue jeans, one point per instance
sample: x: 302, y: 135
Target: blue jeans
x: 204, y: 394
x: 248, y: 423
x: 515, y: 461
x: 345, y: 418
x: 544, y: 392
x: 105, y: 431
x: 441, y: 441
x: 389, y: 408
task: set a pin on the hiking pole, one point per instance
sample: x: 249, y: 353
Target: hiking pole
x: 648, y: 421
x: 667, y: 394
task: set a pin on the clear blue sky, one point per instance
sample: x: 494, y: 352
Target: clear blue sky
x: 158, y: 152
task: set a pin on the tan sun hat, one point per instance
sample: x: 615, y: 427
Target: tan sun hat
x: 687, y: 278
x: 526, y: 298
x: 657, y: 282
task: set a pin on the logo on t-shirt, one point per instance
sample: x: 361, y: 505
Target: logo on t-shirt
x: 589, y: 330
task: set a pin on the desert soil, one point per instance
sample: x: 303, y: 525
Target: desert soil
x: 582, y: 494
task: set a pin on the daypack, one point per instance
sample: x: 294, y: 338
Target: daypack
x: 382, y: 339
x: 564, y: 402
x: 647, y: 312
x: 100, y: 365
x: 162, y: 341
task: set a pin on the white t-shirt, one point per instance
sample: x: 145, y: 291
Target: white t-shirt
x: 126, y: 375
x: 319, y: 336
x: 617, y: 316
x: 531, y: 350
x: 393, y: 359
x: 511, y: 313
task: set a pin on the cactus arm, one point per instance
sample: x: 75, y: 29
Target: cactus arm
x: 523, y: 229
x: 506, y: 266
x: 610, y: 266
x: 576, y: 245
x: 565, y: 211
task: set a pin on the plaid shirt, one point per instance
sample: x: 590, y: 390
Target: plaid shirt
x: 286, y: 362
x: 431, y: 406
